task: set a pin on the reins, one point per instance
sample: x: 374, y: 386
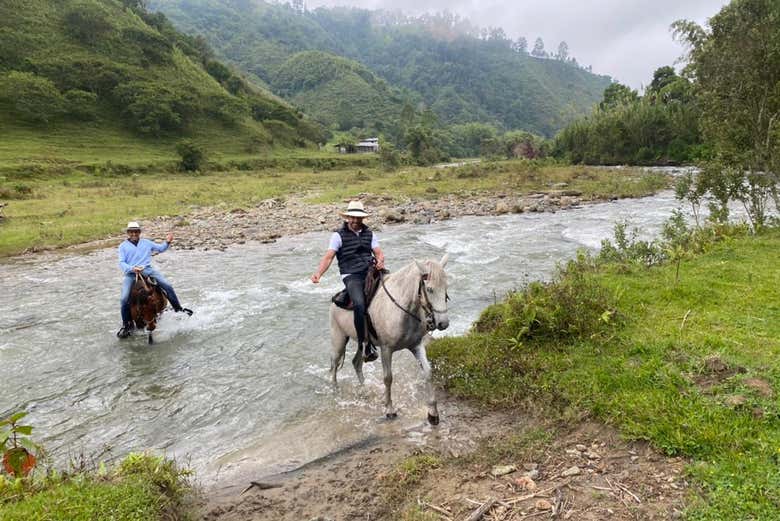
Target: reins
x: 427, y: 306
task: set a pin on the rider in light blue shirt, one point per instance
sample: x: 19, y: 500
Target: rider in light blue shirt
x: 135, y: 256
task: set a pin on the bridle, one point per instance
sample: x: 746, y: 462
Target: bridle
x: 425, y: 303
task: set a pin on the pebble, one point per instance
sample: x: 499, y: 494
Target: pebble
x: 571, y: 471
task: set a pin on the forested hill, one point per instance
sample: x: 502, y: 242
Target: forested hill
x: 110, y: 74
x: 463, y: 74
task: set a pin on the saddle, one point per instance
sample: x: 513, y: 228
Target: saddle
x: 373, y: 281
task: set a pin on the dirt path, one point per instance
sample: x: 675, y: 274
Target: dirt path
x: 532, y: 467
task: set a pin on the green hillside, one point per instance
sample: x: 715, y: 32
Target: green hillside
x: 317, y: 82
x: 460, y: 75
x: 97, y: 80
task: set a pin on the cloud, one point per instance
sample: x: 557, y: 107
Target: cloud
x: 626, y: 39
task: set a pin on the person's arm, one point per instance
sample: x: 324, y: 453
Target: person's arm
x: 125, y: 266
x: 380, y: 258
x: 378, y: 255
x: 159, y: 248
x: 323, y: 266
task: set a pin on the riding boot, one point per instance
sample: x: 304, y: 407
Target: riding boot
x: 125, y: 331
x: 369, y: 352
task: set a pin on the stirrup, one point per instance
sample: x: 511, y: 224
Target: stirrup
x: 370, y: 352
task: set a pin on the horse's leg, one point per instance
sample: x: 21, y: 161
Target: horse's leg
x: 338, y: 343
x: 357, y: 363
x: 425, y: 365
x: 387, y: 371
x: 151, y: 340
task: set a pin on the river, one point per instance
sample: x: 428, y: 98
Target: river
x: 245, y: 380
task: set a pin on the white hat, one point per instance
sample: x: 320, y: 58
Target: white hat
x: 355, y: 209
x: 133, y: 225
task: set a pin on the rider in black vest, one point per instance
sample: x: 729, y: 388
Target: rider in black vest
x: 356, y: 247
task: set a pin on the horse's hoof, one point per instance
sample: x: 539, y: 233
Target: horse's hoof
x: 151, y: 340
x: 391, y: 415
x: 433, y: 420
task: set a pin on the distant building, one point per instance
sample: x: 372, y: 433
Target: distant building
x: 368, y: 145
x: 364, y: 146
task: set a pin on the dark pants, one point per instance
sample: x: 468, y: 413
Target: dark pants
x: 354, y: 284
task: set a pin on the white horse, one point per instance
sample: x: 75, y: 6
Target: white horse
x: 410, y: 303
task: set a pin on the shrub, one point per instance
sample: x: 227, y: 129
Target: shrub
x: 96, y: 75
x: 573, y: 306
x: 87, y: 22
x: 153, y: 108
x: 389, y: 157
x: 192, y: 156
x: 81, y: 105
x: 155, y: 48
x: 14, y: 46
x: 32, y: 97
x: 228, y: 108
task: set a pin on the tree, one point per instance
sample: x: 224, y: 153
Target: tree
x: 87, y: 22
x: 662, y: 77
x: 617, y: 94
x: 736, y: 66
x: 538, y: 50
x: 520, y: 45
x: 563, y: 51
x: 31, y: 97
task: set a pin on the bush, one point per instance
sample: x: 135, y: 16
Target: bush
x: 81, y: 105
x: 155, y: 48
x: 96, y: 75
x: 153, y: 108
x: 32, y: 97
x: 389, y: 158
x: 573, y: 306
x: 87, y: 22
x: 192, y: 156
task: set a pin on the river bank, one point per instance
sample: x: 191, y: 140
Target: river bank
x: 528, y: 463
x: 218, y: 209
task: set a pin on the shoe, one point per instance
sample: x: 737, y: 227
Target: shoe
x: 369, y: 353
x: 124, y: 332
x: 188, y: 311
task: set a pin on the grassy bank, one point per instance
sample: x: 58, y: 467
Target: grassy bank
x: 692, y: 366
x: 140, y: 488
x: 46, y: 210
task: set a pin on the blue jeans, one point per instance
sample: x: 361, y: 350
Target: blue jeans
x: 127, y: 285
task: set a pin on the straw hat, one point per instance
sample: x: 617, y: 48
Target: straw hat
x: 355, y: 209
x: 133, y: 225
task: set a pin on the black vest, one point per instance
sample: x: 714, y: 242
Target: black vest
x: 355, y: 253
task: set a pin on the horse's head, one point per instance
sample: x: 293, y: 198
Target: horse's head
x: 434, y: 292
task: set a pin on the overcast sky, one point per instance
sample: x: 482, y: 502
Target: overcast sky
x: 626, y: 39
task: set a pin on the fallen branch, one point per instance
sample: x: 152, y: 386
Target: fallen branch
x: 260, y: 485
x: 535, y: 494
x: 625, y: 489
x: 442, y: 512
x: 478, y: 513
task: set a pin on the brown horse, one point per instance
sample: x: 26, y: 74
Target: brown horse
x: 147, y: 302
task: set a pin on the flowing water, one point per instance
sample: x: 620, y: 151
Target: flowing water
x: 245, y: 380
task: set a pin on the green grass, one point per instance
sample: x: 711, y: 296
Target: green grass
x: 648, y: 374
x: 142, y: 488
x: 56, y: 210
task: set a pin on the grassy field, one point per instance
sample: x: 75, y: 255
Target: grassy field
x: 51, y: 210
x: 691, y: 366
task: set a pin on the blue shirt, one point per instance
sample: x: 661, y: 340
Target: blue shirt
x: 131, y: 255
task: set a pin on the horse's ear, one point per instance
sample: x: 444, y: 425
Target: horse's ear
x: 423, y: 269
x: 444, y: 260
